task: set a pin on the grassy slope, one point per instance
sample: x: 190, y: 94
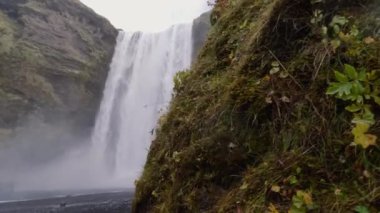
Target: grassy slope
x: 235, y: 133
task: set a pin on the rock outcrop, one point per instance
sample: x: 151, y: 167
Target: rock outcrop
x: 54, y: 57
x: 201, y: 27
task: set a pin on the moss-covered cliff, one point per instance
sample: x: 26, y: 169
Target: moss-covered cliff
x: 54, y: 57
x: 251, y: 127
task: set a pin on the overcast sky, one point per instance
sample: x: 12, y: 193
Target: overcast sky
x: 147, y: 15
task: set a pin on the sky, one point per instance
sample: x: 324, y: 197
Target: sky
x: 147, y: 15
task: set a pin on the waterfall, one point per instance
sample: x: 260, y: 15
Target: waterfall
x: 138, y: 90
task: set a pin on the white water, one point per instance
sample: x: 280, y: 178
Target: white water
x: 138, y: 90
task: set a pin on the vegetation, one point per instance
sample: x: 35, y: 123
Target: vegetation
x: 279, y: 114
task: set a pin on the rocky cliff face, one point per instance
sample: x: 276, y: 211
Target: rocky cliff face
x: 54, y: 57
x: 201, y: 27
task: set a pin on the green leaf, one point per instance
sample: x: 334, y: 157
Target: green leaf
x: 275, y: 64
x: 368, y: 115
x: 353, y: 108
x: 274, y: 70
x: 297, y: 201
x: 340, y: 77
x: 324, y: 31
x: 339, y: 89
x: 354, y: 31
x: 294, y: 209
x: 336, y: 28
x: 361, y: 209
x: 357, y: 88
x: 293, y: 180
x: 298, y: 170
x: 359, y: 99
x: 365, y: 118
x: 376, y: 99
x: 336, y: 43
x: 284, y: 74
x: 339, y: 20
x: 362, y: 76
x: 351, y: 72
x: 372, y: 75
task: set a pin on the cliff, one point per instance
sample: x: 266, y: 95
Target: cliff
x: 54, y: 57
x: 279, y: 114
x: 201, y: 27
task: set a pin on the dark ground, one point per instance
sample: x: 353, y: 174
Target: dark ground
x: 113, y: 202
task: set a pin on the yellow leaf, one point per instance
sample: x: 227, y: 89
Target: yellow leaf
x: 369, y: 40
x: 338, y: 192
x: 366, y: 140
x: 266, y: 78
x: 268, y: 100
x: 272, y: 209
x: 307, y: 198
x: 360, y: 129
x: 276, y: 188
x: 244, y: 186
x: 367, y: 174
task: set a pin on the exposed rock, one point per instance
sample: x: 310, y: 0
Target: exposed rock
x: 54, y: 57
x: 201, y: 27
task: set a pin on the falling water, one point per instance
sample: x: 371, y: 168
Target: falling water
x: 138, y: 90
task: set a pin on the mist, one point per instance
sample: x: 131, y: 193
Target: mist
x: 51, y: 157
x: 58, y: 157
x: 61, y: 157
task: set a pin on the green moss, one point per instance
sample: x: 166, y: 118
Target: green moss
x: 234, y: 130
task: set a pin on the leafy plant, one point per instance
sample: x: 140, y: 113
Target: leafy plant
x: 272, y: 209
x: 361, y: 209
x: 278, y: 68
x: 335, y: 26
x: 179, y: 78
x: 333, y: 31
x: 302, y: 202
x: 360, y: 88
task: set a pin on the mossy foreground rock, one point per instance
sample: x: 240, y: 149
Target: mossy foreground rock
x: 54, y: 57
x: 251, y: 128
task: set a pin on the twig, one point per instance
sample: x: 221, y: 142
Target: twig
x: 320, y: 65
x: 283, y: 67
